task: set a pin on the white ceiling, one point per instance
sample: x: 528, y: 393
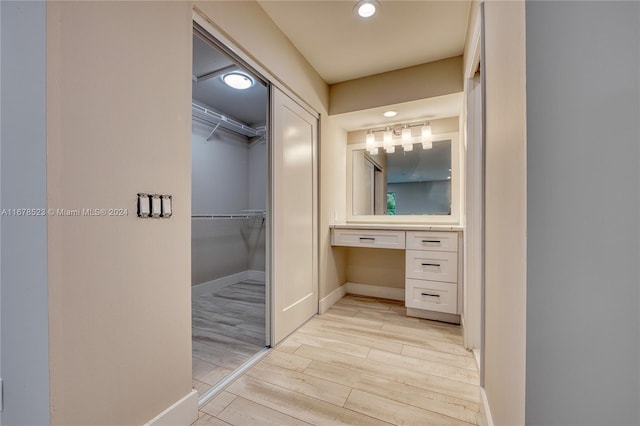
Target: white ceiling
x: 342, y: 46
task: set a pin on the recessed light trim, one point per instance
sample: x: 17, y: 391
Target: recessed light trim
x: 238, y: 80
x: 390, y: 113
x: 366, y: 8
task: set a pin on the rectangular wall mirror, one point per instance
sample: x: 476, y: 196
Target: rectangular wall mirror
x: 420, y: 185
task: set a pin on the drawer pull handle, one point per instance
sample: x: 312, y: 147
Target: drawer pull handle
x: 367, y: 238
x: 430, y: 264
x: 431, y: 241
x: 431, y: 294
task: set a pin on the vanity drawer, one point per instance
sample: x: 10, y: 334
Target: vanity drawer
x: 368, y: 238
x: 432, y: 296
x: 432, y: 240
x: 432, y: 265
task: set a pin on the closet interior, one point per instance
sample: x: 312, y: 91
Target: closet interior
x: 229, y: 213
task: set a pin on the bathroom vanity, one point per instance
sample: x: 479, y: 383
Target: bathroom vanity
x: 433, y: 263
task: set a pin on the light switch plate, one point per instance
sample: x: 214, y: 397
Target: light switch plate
x: 156, y: 205
x: 167, y: 207
x: 144, y: 206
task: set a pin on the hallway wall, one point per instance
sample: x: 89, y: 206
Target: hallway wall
x: 118, y: 123
x: 505, y: 212
x: 583, y: 109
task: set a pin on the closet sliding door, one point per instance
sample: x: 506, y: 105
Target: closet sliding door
x: 294, y: 208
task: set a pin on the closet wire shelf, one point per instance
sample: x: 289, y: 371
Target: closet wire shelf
x: 218, y: 120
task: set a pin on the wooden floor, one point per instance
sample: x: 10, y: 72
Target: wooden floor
x: 228, y: 328
x: 364, y: 362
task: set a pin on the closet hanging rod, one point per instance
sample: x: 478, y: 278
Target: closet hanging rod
x: 228, y: 216
x: 217, y: 119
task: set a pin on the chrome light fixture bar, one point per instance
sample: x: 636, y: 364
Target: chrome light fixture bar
x: 402, y: 134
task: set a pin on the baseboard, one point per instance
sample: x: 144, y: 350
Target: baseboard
x: 375, y: 291
x: 486, y: 410
x: 434, y: 316
x: 257, y: 275
x: 183, y: 412
x: 220, y: 283
x: 328, y: 301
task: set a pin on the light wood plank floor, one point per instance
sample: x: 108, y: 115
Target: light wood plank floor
x: 228, y: 328
x: 364, y: 362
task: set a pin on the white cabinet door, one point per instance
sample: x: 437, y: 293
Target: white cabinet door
x: 294, y: 207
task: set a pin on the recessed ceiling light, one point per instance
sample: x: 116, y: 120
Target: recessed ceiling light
x: 366, y: 8
x: 238, y: 80
x: 390, y: 113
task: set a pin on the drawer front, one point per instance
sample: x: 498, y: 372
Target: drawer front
x: 432, y: 240
x: 432, y: 296
x: 432, y: 265
x: 368, y: 238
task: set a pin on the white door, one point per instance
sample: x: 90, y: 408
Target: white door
x: 294, y: 210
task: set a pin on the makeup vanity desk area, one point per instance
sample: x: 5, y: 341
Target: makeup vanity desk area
x: 433, y: 263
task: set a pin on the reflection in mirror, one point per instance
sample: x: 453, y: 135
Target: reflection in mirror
x: 416, y: 182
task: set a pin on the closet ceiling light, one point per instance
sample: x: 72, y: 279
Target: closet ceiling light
x: 366, y: 8
x: 238, y: 80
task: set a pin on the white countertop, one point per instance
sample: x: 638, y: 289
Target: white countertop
x: 398, y: 227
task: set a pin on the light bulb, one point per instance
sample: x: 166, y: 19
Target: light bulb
x: 426, y: 132
x: 366, y: 8
x: 408, y: 147
x: 238, y: 80
x: 406, y: 134
x: 387, y: 138
x: 374, y: 151
x: 370, y: 141
x: 427, y: 145
x: 391, y: 149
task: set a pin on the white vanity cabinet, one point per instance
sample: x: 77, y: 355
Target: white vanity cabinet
x: 433, y: 265
x: 432, y: 273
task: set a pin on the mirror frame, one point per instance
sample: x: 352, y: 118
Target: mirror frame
x: 436, y: 219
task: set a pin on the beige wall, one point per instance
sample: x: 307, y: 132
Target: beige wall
x: 119, y: 118
x: 377, y: 267
x: 505, y: 212
x: 251, y: 29
x: 408, y: 84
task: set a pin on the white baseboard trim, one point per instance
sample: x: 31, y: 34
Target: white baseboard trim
x: 257, y: 275
x: 220, y: 283
x: 183, y: 412
x: 485, y: 407
x: 434, y: 316
x: 375, y: 291
x: 328, y: 301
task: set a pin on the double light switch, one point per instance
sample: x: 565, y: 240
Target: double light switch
x: 154, y: 205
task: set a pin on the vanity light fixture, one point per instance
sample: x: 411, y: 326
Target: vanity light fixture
x: 401, y: 134
x: 366, y: 8
x: 238, y: 80
x: 390, y: 113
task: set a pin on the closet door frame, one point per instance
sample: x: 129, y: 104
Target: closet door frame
x: 205, y: 27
